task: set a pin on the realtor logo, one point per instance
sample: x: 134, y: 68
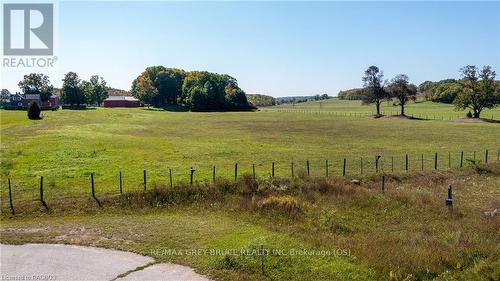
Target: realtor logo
x: 28, y: 29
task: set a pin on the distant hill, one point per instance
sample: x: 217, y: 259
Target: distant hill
x: 261, y: 100
x: 351, y: 94
x: 118, y: 92
x: 299, y: 99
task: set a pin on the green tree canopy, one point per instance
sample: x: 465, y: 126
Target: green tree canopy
x: 402, y: 91
x: 479, y: 90
x: 374, y: 91
x: 196, y: 90
x: 205, y: 91
x: 38, y: 84
x: 169, y: 85
x: 95, y: 90
x: 71, y: 91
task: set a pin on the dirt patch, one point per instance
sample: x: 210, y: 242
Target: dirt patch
x: 400, y: 117
x: 24, y: 230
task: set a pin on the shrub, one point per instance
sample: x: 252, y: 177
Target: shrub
x: 34, y: 111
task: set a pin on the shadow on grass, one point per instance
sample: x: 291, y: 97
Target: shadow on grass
x: 78, y: 108
x: 170, y: 108
x: 399, y: 116
x: 178, y: 108
x: 477, y: 120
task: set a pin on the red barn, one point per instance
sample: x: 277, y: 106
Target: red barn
x: 121, y: 101
x: 52, y: 102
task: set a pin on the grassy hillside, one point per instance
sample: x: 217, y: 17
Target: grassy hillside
x: 428, y: 110
x: 66, y: 146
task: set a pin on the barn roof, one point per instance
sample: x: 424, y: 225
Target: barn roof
x: 121, y: 98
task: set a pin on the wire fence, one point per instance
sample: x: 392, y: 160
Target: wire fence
x: 121, y: 181
x: 422, y: 116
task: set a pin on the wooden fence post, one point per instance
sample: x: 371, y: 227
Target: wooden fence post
x: 406, y: 162
x: 435, y: 161
x: 121, y: 183
x: 235, y: 171
x: 292, y: 169
x: 272, y: 169
x: 170, y: 177
x: 307, y: 164
x: 376, y: 163
x: 486, y: 157
x: 41, y: 194
x: 392, y: 164
x: 145, y: 177
x: 461, y: 159
x: 192, y: 170
x: 10, y: 199
x: 93, y: 189
x: 343, y: 168
x: 422, y: 162
x: 92, y: 184
x: 326, y: 167
x: 253, y: 171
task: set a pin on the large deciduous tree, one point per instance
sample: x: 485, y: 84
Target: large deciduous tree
x: 95, y: 90
x: 479, y: 90
x: 169, y: 85
x: 71, y: 91
x: 205, y: 91
x: 144, y: 90
x: 145, y: 87
x: 4, y: 97
x: 37, y: 84
x: 374, y: 91
x: 402, y: 91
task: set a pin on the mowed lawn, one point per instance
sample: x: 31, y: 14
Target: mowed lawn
x: 66, y: 146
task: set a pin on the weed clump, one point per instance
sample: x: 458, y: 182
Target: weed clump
x: 283, y: 203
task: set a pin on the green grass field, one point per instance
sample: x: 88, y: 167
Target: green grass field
x: 345, y: 232
x: 66, y: 146
x: 405, y: 233
x: 421, y: 109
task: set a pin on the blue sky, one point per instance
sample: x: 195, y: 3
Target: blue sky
x: 275, y: 48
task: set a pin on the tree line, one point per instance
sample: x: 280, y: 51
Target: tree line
x: 476, y: 90
x: 196, y: 90
x: 74, y: 91
x: 261, y: 100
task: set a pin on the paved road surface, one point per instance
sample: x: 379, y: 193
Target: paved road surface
x: 56, y: 262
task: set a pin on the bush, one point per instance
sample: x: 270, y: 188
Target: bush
x: 34, y: 111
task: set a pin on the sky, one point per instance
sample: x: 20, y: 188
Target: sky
x: 274, y: 48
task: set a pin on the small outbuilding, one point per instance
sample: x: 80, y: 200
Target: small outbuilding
x: 121, y: 101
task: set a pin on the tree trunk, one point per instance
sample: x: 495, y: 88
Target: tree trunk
x: 402, y: 110
x: 476, y: 113
x: 377, y: 104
